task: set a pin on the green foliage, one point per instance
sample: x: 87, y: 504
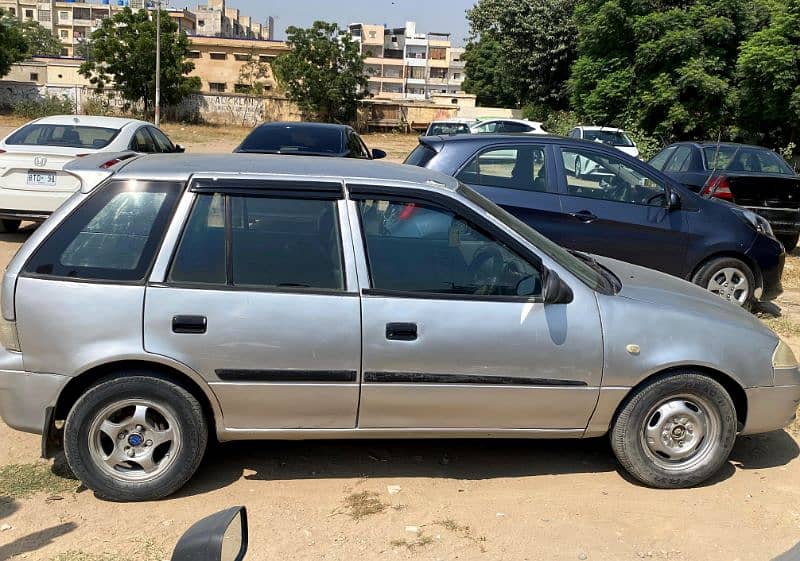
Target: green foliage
x: 123, y: 55
x: 13, y: 45
x: 323, y: 73
x: 487, y: 75
x: 252, y: 73
x: 41, y: 41
x: 35, y: 109
x: 531, y: 43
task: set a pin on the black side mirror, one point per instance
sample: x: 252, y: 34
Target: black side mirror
x: 219, y: 537
x: 378, y: 154
x: 179, y: 149
x: 673, y: 201
x: 556, y: 291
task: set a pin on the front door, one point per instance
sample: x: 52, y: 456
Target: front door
x: 615, y: 209
x: 256, y: 301
x: 455, y: 334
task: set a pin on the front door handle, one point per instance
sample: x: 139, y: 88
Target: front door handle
x: 401, y: 331
x: 584, y: 216
x: 193, y: 325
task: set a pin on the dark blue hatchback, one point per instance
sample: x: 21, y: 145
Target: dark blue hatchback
x: 593, y: 198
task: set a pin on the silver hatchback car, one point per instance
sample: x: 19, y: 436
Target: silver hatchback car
x: 180, y: 298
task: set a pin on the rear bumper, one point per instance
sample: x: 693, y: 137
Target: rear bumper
x: 770, y: 409
x: 28, y: 205
x: 33, y: 216
x: 782, y: 220
x: 25, y: 397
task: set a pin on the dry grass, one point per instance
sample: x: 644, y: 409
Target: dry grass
x: 783, y: 325
x: 791, y: 272
x: 463, y: 531
x: 361, y: 505
x: 145, y: 550
x: 421, y: 541
x: 18, y: 481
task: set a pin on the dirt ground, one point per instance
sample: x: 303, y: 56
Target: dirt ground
x: 428, y: 500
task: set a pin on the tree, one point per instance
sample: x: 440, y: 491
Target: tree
x: 537, y: 46
x: 13, y: 45
x: 123, y: 55
x: 253, y: 72
x: 487, y: 74
x: 41, y: 41
x: 323, y: 73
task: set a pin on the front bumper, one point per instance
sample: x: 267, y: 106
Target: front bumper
x: 770, y: 257
x: 25, y: 396
x: 771, y: 408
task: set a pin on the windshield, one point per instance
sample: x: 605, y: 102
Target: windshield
x: 292, y: 139
x: 745, y: 159
x: 581, y: 268
x: 443, y: 129
x: 612, y: 138
x: 66, y: 136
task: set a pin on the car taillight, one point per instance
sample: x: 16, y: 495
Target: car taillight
x: 110, y: 163
x: 8, y: 335
x: 719, y: 187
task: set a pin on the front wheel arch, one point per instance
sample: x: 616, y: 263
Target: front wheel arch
x: 756, y: 270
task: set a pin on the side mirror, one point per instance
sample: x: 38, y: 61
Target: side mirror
x: 378, y: 154
x: 219, y: 537
x: 674, y: 201
x: 556, y: 291
x: 179, y: 149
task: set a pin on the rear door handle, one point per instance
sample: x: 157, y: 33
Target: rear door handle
x: 195, y: 325
x: 401, y: 331
x: 584, y: 216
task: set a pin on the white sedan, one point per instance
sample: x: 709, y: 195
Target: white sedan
x: 32, y: 181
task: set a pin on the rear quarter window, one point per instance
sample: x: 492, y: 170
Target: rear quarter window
x: 112, y: 236
x: 420, y: 156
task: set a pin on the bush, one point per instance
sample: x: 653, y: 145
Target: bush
x: 35, y: 109
x: 97, y: 105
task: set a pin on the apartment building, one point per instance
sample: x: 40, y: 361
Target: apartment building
x: 73, y: 21
x: 403, y: 64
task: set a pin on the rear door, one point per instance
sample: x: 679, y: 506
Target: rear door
x: 259, y: 299
x: 519, y: 177
x: 619, y: 210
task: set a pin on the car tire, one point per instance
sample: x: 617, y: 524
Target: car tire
x: 135, y: 437
x: 676, y: 431
x: 723, y: 275
x: 11, y: 226
x: 789, y: 241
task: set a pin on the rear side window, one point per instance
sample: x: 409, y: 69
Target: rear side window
x: 661, y: 158
x: 510, y: 167
x: 67, y: 136
x: 420, y: 156
x: 681, y: 161
x: 113, y: 236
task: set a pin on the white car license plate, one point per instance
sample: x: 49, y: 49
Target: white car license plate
x: 41, y: 178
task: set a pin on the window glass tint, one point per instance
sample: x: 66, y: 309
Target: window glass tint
x: 68, y: 136
x: 420, y: 156
x: 143, y: 142
x: 681, y: 161
x: 612, y: 138
x: 600, y: 176
x: 200, y: 257
x: 294, y: 139
x: 446, y: 129
x: 163, y: 143
x: 513, y: 167
x: 420, y: 248
x: 661, y: 158
x: 112, y: 236
x: 718, y: 157
x: 758, y: 161
x: 512, y: 127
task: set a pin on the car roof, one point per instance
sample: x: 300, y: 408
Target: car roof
x: 89, y: 121
x: 179, y: 167
x: 596, y: 128
x: 303, y: 124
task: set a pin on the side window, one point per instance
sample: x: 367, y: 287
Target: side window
x: 427, y: 249
x: 488, y: 127
x: 597, y: 175
x: 574, y: 133
x: 163, y: 144
x: 514, y: 127
x: 113, y: 236
x: 143, y: 142
x: 274, y: 243
x: 660, y: 159
x: 681, y: 160
x: 514, y: 167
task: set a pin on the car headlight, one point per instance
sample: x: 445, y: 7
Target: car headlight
x: 783, y: 357
x: 758, y: 222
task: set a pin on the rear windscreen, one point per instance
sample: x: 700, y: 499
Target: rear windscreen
x: 612, y: 138
x: 293, y: 140
x: 745, y: 159
x: 67, y: 136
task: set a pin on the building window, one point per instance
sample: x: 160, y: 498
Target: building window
x: 265, y: 58
x: 456, y: 75
x: 63, y: 16
x: 216, y: 87
x: 34, y: 76
x: 44, y: 15
x: 12, y: 11
x: 201, y: 23
x: 64, y: 52
x: 63, y: 33
x: 241, y: 57
x: 372, y: 34
x: 29, y: 14
x: 218, y: 56
x: 454, y: 101
x: 438, y: 53
x: 193, y: 54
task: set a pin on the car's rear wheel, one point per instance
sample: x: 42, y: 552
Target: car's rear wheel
x: 10, y: 226
x: 729, y: 278
x: 789, y: 241
x: 135, y: 437
x: 676, y: 431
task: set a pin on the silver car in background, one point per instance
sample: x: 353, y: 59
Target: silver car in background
x: 180, y: 298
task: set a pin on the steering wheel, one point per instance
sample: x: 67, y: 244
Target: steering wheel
x: 486, y: 270
x: 617, y: 189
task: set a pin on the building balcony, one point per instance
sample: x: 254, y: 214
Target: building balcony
x: 415, y: 81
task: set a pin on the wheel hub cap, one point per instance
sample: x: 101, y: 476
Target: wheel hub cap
x: 731, y: 284
x: 679, y: 432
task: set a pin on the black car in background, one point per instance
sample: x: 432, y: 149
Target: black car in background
x: 749, y: 176
x: 622, y: 208
x: 307, y: 139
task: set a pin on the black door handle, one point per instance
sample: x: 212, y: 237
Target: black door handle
x: 401, y: 331
x: 584, y: 216
x: 189, y: 324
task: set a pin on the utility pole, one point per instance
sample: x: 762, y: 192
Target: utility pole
x: 158, y: 63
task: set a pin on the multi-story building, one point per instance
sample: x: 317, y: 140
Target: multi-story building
x: 73, y: 21
x: 403, y: 64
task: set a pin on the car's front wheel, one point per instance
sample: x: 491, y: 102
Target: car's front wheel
x: 676, y: 431
x: 135, y: 437
x: 729, y: 278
